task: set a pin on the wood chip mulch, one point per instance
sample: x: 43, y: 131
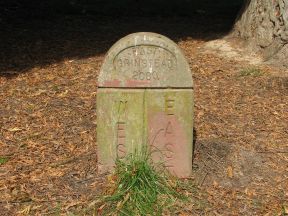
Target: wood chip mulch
x: 48, y: 87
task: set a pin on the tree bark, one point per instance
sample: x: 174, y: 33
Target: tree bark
x: 264, y: 25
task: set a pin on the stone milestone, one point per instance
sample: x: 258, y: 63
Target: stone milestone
x: 145, y: 97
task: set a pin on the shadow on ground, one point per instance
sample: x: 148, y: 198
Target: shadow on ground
x: 37, y: 34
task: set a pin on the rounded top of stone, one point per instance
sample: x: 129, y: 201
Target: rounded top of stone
x: 145, y: 60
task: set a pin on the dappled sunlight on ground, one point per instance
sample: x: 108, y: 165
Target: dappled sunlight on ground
x: 48, y: 87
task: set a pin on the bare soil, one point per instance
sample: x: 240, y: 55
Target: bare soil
x: 48, y: 88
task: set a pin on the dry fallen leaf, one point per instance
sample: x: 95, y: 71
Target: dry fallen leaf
x: 15, y: 129
x: 99, y: 210
x: 230, y: 171
x: 25, y: 211
x: 49, y: 114
x: 285, y: 210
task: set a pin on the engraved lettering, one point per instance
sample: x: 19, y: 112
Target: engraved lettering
x: 169, y: 106
x: 150, y: 50
x: 120, y: 129
x: 120, y: 63
x: 169, y: 150
x: 144, y: 63
x: 134, y: 50
x: 169, y: 63
x: 169, y: 129
x: 156, y: 63
x: 148, y: 76
x: 126, y: 62
x: 135, y: 75
x: 121, y: 138
x: 169, y: 132
x: 121, y: 151
x: 137, y: 62
x: 141, y: 51
x: 144, y: 59
x: 150, y: 62
x: 122, y: 107
x: 141, y: 76
x: 155, y: 75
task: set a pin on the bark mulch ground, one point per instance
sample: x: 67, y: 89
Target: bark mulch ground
x: 48, y: 87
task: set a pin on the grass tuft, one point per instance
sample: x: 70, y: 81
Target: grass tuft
x: 250, y: 71
x: 138, y: 188
x: 3, y: 160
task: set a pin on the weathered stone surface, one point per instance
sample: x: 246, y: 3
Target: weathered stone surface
x: 145, y: 97
x: 169, y: 115
x: 145, y: 60
x: 119, y: 124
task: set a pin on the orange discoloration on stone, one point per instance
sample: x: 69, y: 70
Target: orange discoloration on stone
x: 112, y: 83
x: 169, y: 143
x: 136, y: 83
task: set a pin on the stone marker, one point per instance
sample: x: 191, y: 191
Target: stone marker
x: 145, y: 97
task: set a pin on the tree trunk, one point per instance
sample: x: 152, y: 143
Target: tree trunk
x: 264, y: 25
